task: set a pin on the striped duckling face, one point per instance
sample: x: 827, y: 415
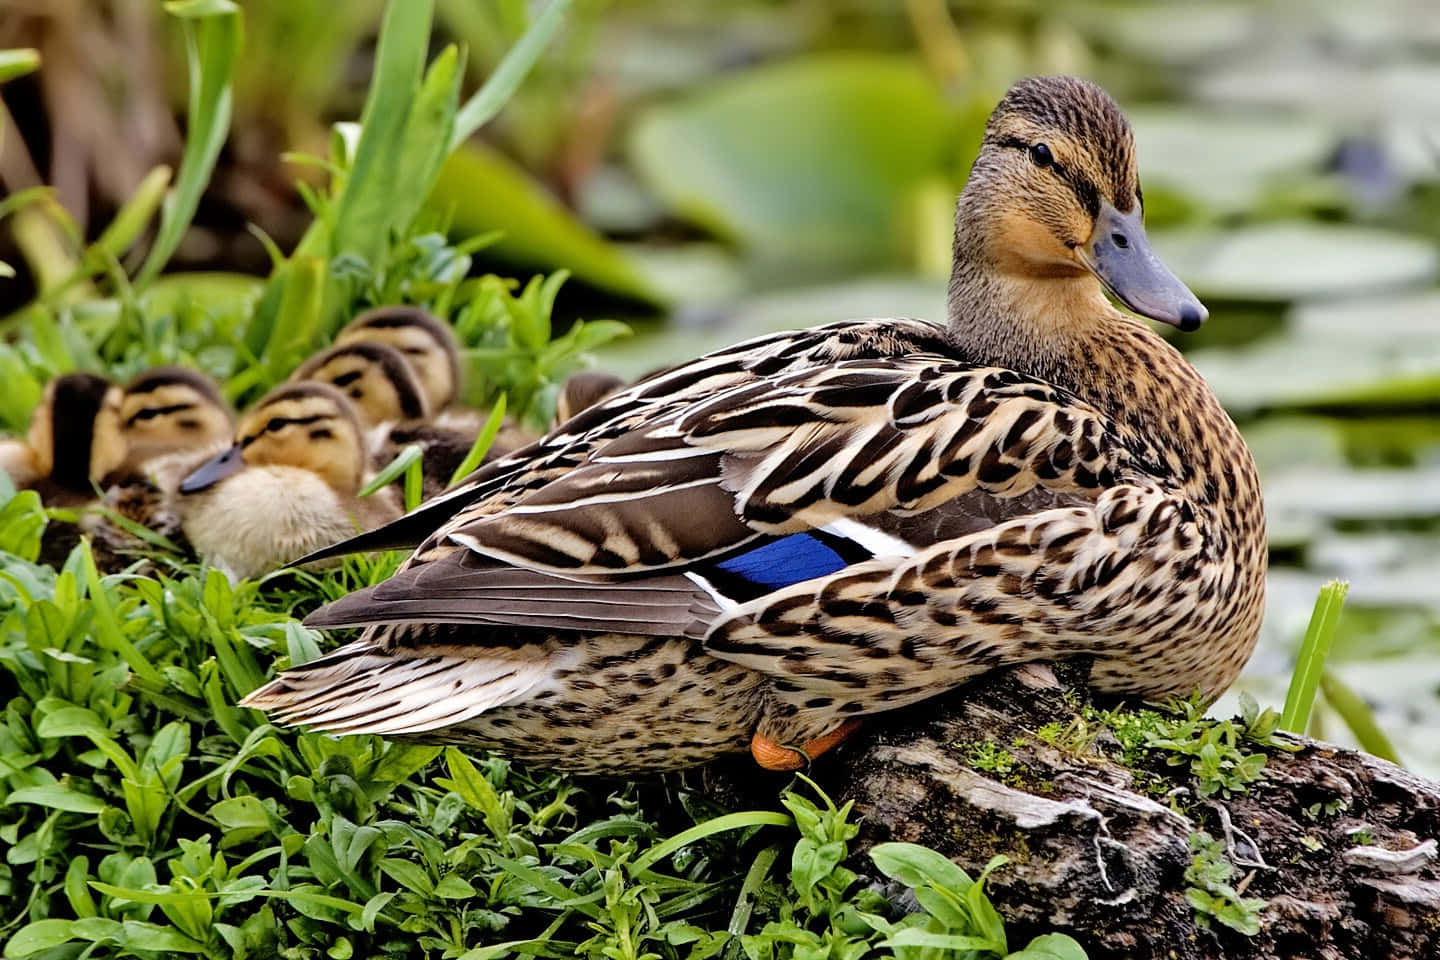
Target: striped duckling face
x: 376, y: 377
x: 172, y: 410
x: 311, y: 426
x: 75, y: 434
x: 426, y: 341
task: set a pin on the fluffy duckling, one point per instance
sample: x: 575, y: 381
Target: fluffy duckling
x: 582, y: 391
x: 171, y: 419
x: 394, y: 407
x: 74, y: 441
x: 287, y: 486
x: 426, y: 342
x: 377, y: 378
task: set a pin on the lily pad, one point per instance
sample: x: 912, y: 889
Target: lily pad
x: 812, y: 160
x: 1222, y: 159
x: 1297, y: 260
x: 1295, y: 372
x: 484, y: 191
x: 709, y: 327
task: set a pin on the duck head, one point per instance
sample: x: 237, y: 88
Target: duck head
x: 1053, y: 213
x: 426, y: 341
x: 169, y: 410
x: 307, y: 425
x: 377, y: 379
x: 75, y: 433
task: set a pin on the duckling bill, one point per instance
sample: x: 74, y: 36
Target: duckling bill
x: 757, y: 549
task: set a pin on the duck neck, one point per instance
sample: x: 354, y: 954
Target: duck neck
x: 1050, y: 325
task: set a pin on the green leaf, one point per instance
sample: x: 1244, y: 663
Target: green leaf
x: 135, y: 215
x: 1050, y: 946
x: 1310, y: 664
x: 57, y: 797
x: 39, y: 935
x: 366, y: 208
x: 482, y: 191
x: 502, y: 83
x: 409, y: 456
x: 732, y: 821
x: 17, y: 62
x: 867, y: 130
x: 916, y: 866
x: 1358, y: 717
x: 140, y: 935
x: 212, y: 46
x: 481, y: 446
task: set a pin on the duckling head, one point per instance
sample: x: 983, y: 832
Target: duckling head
x: 75, y: 434
x: 376, y: 377
x: 1052, y: 213
x: 426, y: 341
x: 169, y: 410
x: 307, y: 425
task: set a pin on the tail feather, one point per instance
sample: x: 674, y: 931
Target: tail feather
x: 363, y: 688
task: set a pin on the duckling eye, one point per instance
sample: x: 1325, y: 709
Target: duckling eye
x: 1041, y: 155
x: 275, y: 423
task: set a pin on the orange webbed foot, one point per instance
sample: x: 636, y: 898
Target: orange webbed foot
x: 773, y: 755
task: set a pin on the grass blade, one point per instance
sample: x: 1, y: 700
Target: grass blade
x: 212, y: 46
x: 502, y: 84
x: 1358, y: 717
x: 410, y: 455
x: 732, y: 821
x: 1310, y: 664
x: 481, y: 446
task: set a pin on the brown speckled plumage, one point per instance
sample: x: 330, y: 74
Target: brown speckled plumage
x: 1045, y: 478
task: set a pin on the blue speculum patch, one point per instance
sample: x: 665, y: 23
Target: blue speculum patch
x: 782, y: 562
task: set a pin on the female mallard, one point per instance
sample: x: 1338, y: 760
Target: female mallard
x: 757, y: 547
x: 288, y: 485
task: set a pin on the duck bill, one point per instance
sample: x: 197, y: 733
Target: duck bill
x: 1119, y: 254
x: 212, y: 471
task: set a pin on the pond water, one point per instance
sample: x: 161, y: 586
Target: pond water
x: 1294, y: 166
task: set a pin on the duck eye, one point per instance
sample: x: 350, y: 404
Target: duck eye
x: 1041, y: 155
x: 275, y: 424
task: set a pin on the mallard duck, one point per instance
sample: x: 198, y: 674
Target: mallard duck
x: 73, y: 443
x: 287, y: 486
x: 426, y: 342
x: 757, y: 548
x: 171, y: 418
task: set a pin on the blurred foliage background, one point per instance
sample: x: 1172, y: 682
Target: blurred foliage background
x: 715, y: 168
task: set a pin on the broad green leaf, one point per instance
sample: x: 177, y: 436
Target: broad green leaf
x: 483, y: 191
x: 811, y: 161
x: 140, y: 935
x: 916, y: 866
x: 39, y: 935
x: 1050, y: 946
x: 57, y: 797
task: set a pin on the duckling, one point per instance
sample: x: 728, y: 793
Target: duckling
x: 426, y: 342
x: 74, y: 441
x: 377, y: 378
x: 171, y: 419
x: 761, y: 546
x: 287, y: 486
x: 171, y: 410
x: 583, y: 390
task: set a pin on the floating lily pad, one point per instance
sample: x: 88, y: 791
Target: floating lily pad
x: 1370, y: 318
x: 812, y: 160
x: 1224, y: 160
x: 1293, y: 261
x: 1291, y: 372
x: 701, y: 328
